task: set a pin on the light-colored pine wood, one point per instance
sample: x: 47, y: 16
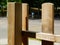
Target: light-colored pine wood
x: 47, y: 21
x: 47, y: 18
x: 45, y: 36
x: 57, y: 38
x: 48, y: 37
x: 35, y: 8
x: 25, y: 16
x: 14, y: 23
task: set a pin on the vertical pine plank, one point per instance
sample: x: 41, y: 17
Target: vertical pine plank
x: 47, y: 21
x: 14, y: 23
x: 25, y: 14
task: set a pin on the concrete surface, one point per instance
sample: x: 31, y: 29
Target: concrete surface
x: 34, y: 25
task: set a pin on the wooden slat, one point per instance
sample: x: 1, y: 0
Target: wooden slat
x: 14, y: 23
x: 47, y: 20
x: 48, y: 37
x: 41, y: 36
x: 45, y: 36
x: 57, y: 38
x: 26, y: 35
x: 35, y: 8
x: 25, y: 13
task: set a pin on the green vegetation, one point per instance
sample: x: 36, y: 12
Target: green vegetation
x: 15, y: 1
x: 3, y: 6
x: 36, y: 3
x: 32, y: 3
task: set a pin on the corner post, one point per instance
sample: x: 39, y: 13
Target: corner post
x: 14, y: 23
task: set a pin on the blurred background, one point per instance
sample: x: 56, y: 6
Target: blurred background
x: 34, y: 7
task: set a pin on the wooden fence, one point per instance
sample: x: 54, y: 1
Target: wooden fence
x: 18, y: 32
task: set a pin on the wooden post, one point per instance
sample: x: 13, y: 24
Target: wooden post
x: 25, y: 16
x: 47, y: 20
x: 14, y: 23
x: 25, y: 13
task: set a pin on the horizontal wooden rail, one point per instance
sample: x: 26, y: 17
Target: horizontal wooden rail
x: 57, y: 38
x: 26, y: 34
x: 48, y: 37
x: 35, y: 8
x: 42, y: 36
x: 45, y: 36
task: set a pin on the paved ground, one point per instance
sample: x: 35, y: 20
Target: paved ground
x: 3, y: 31
x: 36, y: 24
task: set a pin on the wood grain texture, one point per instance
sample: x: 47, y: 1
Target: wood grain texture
x: 57, y: 38
x: 47, y: 21
x: 25, y: 13
x: 14, y: 23
x: 26, y: 35
x: 48, y: 18
x: 45, y: 36
x: 48, y: 37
